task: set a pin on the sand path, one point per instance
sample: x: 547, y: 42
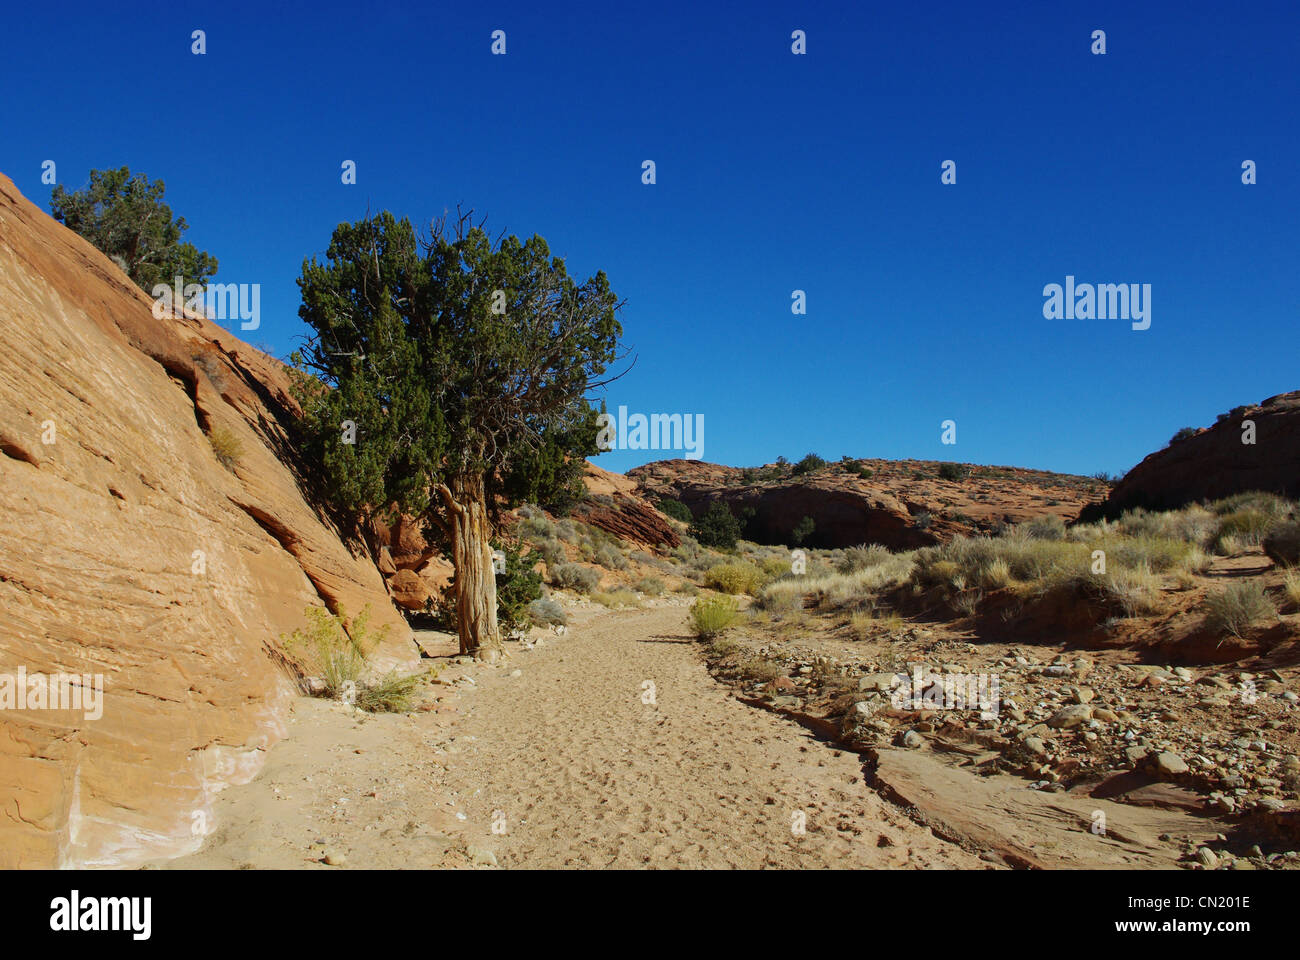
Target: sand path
x: 564, y: 765
x: 576, y: 770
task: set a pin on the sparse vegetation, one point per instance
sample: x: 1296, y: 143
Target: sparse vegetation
x: 712, y: 615
x: 675, y: 509
x: 546, y: 612
x: 573, y: 576
x: 650, y: 586
x: 227, y: 447
x: 334, y: 649
x: 809, y: 464
x: 717, y: 527
x: 616, y: 598
x: 736, y: 578
x: 1236, y: 607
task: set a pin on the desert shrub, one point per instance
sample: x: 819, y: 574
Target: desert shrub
x: 809, y: 464
x: 953, y: 471
x: 1291, y: 588
x: 335, y: 649
x: 760, y: 669
x: 735, y: 578
x: 1247, y: 526
x: 616, y: 598
x: 1194, y: 524
x: 391, y: 693
x: 803, y: 530
x: 1136, y: 590
x: 966, y: 602
x: 552, y: 552
x: 865, y: 473
x: 1270, y: 504
x: 922, y: 520
x: 1233, y: 609
x: 837, y: 589
x: 687, y: 587
x: 1159, y: 554
x: 688, y: 549
x: 777, y: 565
x: 717, y: 527
x: 226, y: 446
x: 1182, y: 434
x: 675, y: 509
x: 1049, y: 527
x: 566, y: 530
x: 545, y: 612
x: 610, y: 558
x: 861, y: 557
x: 572, y: 576
x: 711, y: 615
x: 518, y: 585
x: 537, y: 526
x: 331, y: 647
x: 650, y: 586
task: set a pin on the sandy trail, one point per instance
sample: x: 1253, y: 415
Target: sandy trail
x: 566, y: 766
x: 586, y: 774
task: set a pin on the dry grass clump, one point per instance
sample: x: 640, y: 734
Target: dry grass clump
x: 1236, y: 607
x: 616, y: 598
x: 335, y: 649
x: 226, y: 446
x: 712, y: 615
x: 838, y: 589
x: 1291, y: 588
x: 736, y: 578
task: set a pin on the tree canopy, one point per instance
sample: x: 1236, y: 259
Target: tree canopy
x: 448, y: 371
x: 126, y: 218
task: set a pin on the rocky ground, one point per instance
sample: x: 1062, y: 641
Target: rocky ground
x: 1220, y: 743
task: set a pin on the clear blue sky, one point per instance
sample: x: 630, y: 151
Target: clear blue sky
x: 775, y: 172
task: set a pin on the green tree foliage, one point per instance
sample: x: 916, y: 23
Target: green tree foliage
x: 518, y: 585
x: 803, y: 530
x: 809, y: 464
x: 125, y: 217
x: 461, y: 366
x: 675, y: 509
x: 717, y: 527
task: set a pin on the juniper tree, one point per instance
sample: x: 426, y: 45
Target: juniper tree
x: 448, y: 371
x: 125, y: 217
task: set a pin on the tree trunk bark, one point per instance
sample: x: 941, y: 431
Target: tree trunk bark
x: 475, y: 578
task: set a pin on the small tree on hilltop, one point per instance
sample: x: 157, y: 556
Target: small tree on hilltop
x: 125, y: 217
x: 448, y: 372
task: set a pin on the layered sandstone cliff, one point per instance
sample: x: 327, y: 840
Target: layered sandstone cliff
x: 1254, y: 447
x: 129, y: 552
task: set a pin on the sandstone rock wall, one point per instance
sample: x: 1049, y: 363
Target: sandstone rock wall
x: 129, y: 552
x: 1215, y: 463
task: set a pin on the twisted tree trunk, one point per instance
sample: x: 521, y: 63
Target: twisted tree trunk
x: 475, y: 579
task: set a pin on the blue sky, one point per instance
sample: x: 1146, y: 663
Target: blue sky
x: 775, y: 172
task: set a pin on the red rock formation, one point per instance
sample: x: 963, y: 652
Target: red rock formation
x: 902, y: 505
x: 1215, y: 463
x: 614, y: 506
x: 129, y: 552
